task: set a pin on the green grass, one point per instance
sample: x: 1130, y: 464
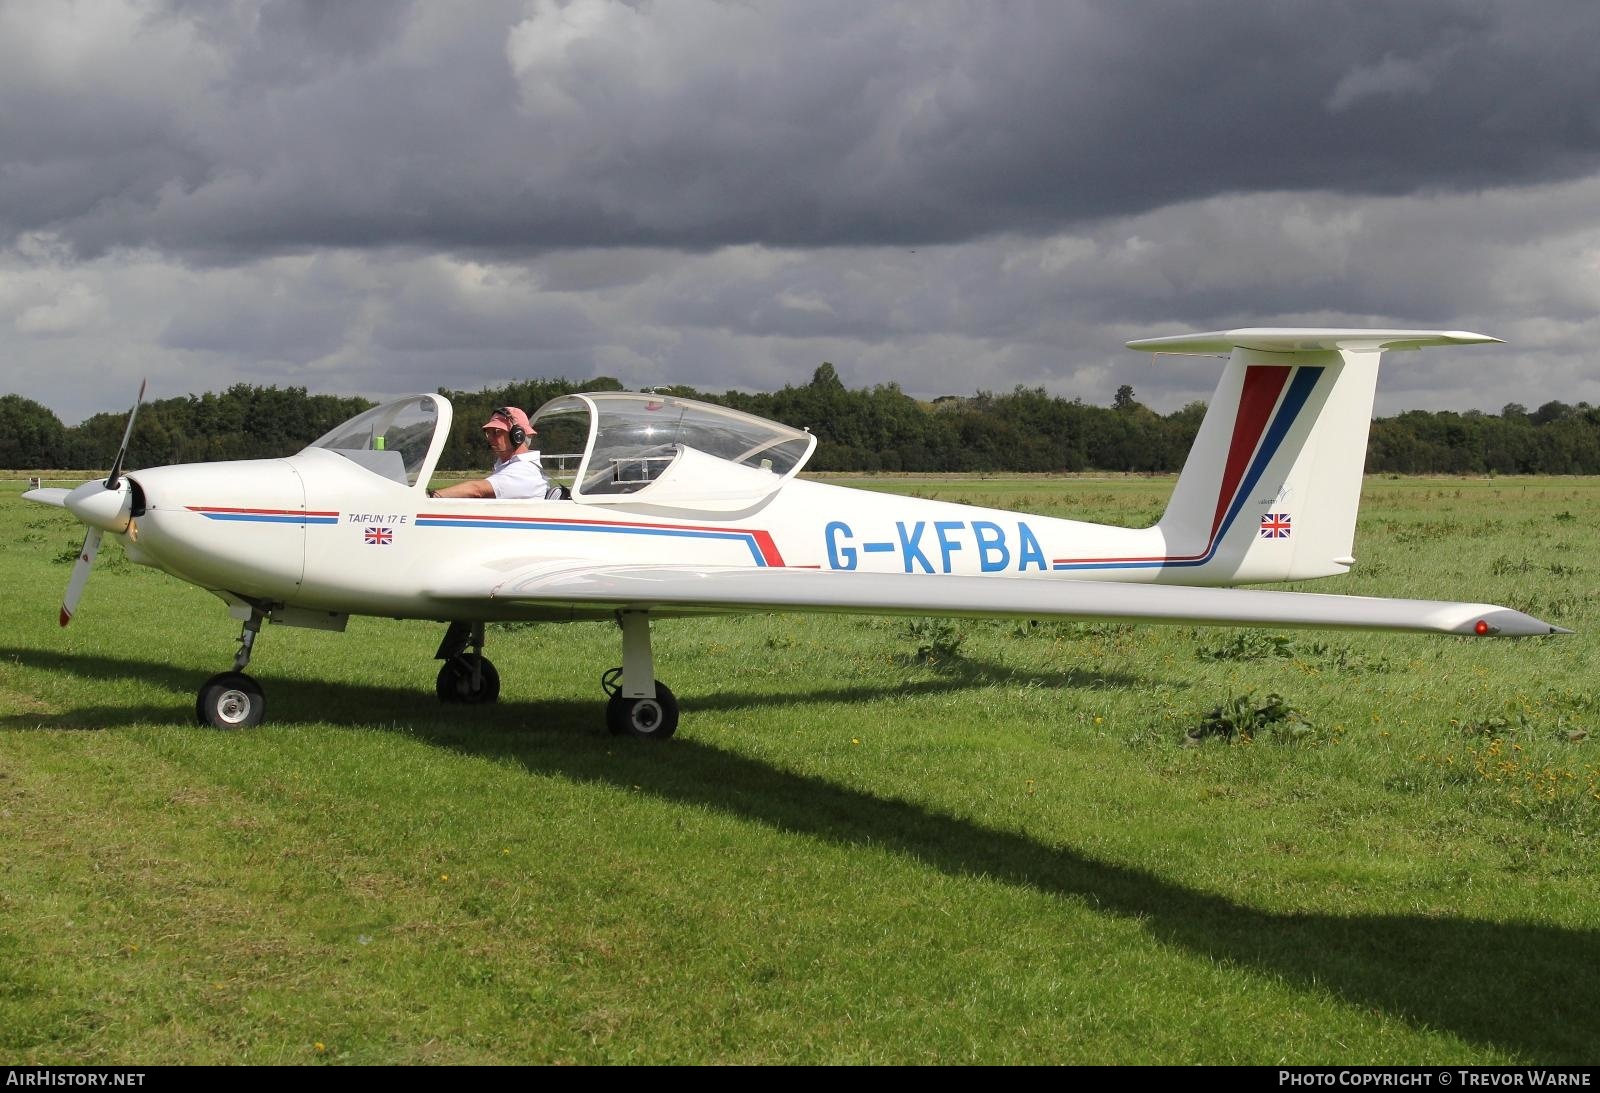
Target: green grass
x: 874, y: 840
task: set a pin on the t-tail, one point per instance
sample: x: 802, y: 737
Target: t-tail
x: 1272, y: 484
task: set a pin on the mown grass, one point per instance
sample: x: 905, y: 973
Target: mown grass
x: 874, y: 840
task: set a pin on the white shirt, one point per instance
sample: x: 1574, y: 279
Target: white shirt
x: 519, y: 476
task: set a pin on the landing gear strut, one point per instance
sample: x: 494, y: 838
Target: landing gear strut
x: 465, y: 677
x: 233, y: 700
x: 640, y: 704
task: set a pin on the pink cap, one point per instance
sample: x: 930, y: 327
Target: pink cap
x: 507, y: 416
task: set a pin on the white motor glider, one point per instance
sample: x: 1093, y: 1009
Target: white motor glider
x: 683, y: 508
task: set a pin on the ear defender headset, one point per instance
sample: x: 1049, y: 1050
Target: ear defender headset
x: 519, y: 435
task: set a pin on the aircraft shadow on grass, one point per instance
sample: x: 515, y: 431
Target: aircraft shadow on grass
x: 302, y: 700
x: 1526, y: 988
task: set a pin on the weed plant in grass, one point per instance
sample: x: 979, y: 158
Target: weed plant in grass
x: 874, y: 840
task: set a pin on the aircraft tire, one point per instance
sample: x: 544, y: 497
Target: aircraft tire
x: 647, y: 718
x: 230, y: 700
x: 454, y: 684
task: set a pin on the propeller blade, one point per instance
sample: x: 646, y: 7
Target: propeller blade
x: 98, y: 508
x: 80, y: 573
x: 127, y: 435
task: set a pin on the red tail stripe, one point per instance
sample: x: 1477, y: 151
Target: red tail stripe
x: 1262, y: 386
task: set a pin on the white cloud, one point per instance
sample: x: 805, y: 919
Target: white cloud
x: 937, y: 320
x: 74, y: 308
x: 1390, y: 78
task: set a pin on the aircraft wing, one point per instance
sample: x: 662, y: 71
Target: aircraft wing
x: 696, y: 590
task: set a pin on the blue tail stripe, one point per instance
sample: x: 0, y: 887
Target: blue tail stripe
x: 1294, y: 400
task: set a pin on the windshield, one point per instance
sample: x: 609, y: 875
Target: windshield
x: 391, y: 440
x: 629, y: 440
x: 563, y: 426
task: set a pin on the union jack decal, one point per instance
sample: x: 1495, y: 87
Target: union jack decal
x: 1275, y: 525
x: 380, y: 536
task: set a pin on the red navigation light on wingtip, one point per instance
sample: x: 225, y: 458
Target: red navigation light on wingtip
x: 1482, y: 628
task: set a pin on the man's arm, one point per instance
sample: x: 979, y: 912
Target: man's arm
x: 477, y: 487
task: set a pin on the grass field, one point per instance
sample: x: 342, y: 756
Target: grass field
x: 873, y: 840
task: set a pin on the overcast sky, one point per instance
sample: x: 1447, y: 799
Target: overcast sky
x: 374, y: 197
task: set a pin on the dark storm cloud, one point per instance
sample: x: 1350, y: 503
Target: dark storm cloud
x: 436, y: 311
x: 257, y: 328
x: 383, y: 197
x: 229, y: 131
x: 285, y: 42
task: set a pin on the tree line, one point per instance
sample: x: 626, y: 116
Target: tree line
x: 880, y: 428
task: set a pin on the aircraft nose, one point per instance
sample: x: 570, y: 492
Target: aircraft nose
x: 106, y: 509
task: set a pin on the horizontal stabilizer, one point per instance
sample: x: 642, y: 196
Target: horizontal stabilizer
x: 1268, y: 339
x: 696, y: 589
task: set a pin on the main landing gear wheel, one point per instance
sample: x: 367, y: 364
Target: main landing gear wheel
x: 647, y: 718
x: 455, y: 682
x: 230, y: 700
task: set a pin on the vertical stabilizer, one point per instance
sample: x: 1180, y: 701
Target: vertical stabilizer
x: 1271, y: 487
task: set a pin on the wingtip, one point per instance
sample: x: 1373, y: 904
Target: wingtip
x: 1508, y: 622
x: 66, y: 616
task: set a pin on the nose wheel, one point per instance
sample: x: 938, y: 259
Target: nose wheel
x: 230, y: 700
x: 233, y: 700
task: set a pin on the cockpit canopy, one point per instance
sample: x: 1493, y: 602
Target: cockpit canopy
x: 398, y: 440
x: 630, y: 447
x: 657, y: 449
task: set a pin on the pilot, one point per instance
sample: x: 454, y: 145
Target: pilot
x: 516, y: 469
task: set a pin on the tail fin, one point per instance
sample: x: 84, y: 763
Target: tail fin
x: 1272, y: 484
